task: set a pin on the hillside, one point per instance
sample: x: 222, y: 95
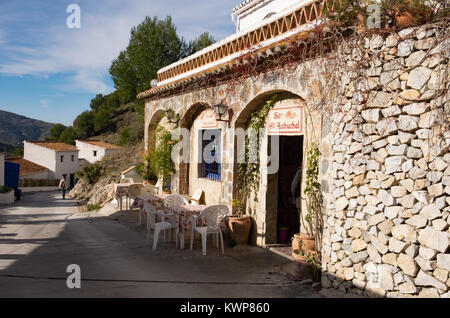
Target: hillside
x: 16, y: 128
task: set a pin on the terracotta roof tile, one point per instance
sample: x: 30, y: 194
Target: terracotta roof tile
x: 58, y: 146
x: 27, y: 167
x: 101, y: 144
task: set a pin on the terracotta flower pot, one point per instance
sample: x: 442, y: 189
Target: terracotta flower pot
x: 308, y: 243
x: 240, y: 229
x: 302, y: 269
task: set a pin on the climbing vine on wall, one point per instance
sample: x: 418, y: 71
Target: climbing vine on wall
x: 248, y: 171
x: 314, y: 216
x: 161, y: 154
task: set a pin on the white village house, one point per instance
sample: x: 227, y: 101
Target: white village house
x: 92, y: 151
x: 60, y: 158
x: 30, y: 171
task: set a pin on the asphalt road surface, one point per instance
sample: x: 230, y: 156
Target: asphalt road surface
x: 41, y: 235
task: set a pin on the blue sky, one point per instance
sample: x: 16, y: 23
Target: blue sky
x: 50, y: 72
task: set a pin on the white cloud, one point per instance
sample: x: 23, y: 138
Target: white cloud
x: 86, y: 54
x: 44, y: 103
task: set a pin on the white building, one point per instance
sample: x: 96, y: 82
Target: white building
x: 92, y: 151
x: 2, y: 170
x: 254, y: 12
x: 60, y: 158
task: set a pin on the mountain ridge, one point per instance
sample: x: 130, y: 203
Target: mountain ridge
x: 15, y: 128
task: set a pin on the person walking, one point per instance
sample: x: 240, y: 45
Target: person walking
x: 62, y: 187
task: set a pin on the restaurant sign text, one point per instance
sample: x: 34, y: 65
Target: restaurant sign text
x: 286, y: 121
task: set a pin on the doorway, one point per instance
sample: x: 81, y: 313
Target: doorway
x: 291, y: 157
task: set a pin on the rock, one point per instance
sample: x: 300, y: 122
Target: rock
x: 391, y: 111
x: 410, y: 94
x: 443, y: 261
x: 429, y: 293
x: 412, y: 250
x: 427, y: 120
x: 424, y: 264
x: 380, y: 99
x: 417, y: 221
x: 352, y: 193
x: 386, y: 278
x: 341, y: 204
x: 416, y: 108
x: 405, y: 48
x: 407, y: 183
x: 433, y: 239
x: 393, y: 164
x: 424, y: 279
x: 418, y: 77
x: 406, y: 288
x: 427, y: 253
x: 436, y: 190
x: 441, y: 275
x: 404, y: 233
x: 407, y: 201
x: 390, y: 258
x: 430, y: 212
x: 407, y: 264
x: 396, y: 246
x: 416, y: 173
x: 387, y: 126
x: 355, y: 232
x: 388, y: 77
x: 415, y: 58
x: 397, y: 150
x: 358, y: 245
x: 439, y: 225
x: 393, y: 212
x: 398, y: 191
x: 386, y: 226
x: 371, y: 115
x: 414, y: 153
x: 385, y: 197
x: 408, y: 123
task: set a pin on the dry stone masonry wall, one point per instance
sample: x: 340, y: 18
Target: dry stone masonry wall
x: 387, y: 227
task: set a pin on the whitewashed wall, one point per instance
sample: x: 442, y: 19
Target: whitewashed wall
x: 246, y: 18
x: 51, y: 159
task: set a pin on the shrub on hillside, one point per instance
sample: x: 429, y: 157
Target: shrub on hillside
x: 90, y: 173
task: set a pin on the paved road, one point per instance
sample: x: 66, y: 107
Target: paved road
x: 41, y: 235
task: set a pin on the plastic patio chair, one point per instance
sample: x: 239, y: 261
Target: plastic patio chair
x: 196, y: 197
x: 174, y: 201
x: 133, y: 191
x: 212, y: 218
x: 157, y: 226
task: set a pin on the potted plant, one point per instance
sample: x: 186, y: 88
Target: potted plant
x: 312, y: 221
x: 239, y: 223
x: 6, y: 195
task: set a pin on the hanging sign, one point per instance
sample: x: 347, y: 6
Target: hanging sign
x: 286, y: 121
x: 208, y: 119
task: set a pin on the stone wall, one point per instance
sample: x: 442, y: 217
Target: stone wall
x: 387, y: 224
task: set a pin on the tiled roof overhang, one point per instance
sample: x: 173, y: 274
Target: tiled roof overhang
x: 269, y: 35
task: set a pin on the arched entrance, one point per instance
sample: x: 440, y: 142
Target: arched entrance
x: 272, y: 205
x: 185, y: 168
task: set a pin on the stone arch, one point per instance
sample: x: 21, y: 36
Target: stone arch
x: 152, y: 123
x: 268, y: 235
x: 187, y: 119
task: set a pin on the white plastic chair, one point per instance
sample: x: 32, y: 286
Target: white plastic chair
x: 157, y: 226
x: 196, y: 197
x: 213, y: 216
x: 133, y: 191
x: 174, y: 201
x: 155, y: 188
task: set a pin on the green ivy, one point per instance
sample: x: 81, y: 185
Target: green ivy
x: 161, y: 155
x: 248, y: 173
